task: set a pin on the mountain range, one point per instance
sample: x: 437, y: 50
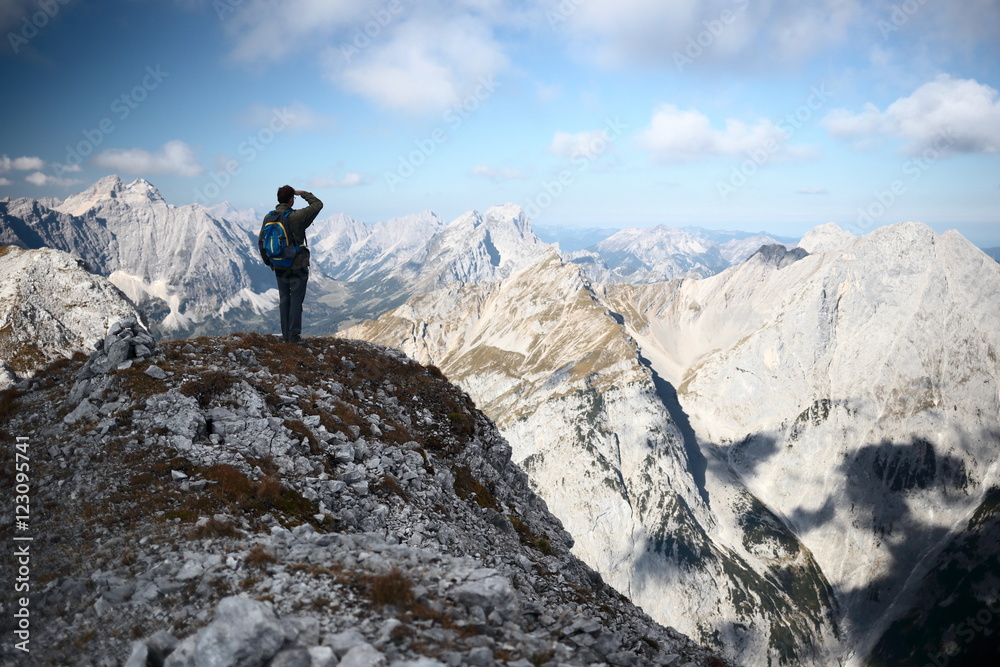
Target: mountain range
x: 656, y: 254
x: 730, y: 429
x: 786, y: 451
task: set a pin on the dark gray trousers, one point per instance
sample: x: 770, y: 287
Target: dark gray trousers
x: 292, y: 292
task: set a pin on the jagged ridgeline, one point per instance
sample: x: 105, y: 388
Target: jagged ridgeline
x: 242, y: 501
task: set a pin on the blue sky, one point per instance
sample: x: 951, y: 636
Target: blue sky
x: 734, y: 114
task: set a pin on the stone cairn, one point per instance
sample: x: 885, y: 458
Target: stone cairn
x: 127, y: 342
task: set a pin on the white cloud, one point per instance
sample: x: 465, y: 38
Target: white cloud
x: 501, y: 174
x: 40, y: 179
x: 415, y: 57
x: 21, y: 163
x: 424, y: 65
x: 349, y: 180
x: 675, y: 135
x: 175, y: 157
x: 5, y: 181
x: 617, y: 32
x: 588, y: 144
x: 842, y: 123
x: 949, y: 115
x: 812, y: 191
x: 269, y: 31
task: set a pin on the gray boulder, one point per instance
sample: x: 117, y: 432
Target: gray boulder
x: 244, y: 633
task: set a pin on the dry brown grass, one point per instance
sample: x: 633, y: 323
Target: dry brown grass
x: 269, y: 490
x: 467, y: 486
x: 138, y: 385
x: 8, y: 403
x: 214, y: 528
x: 209, y: 386
x: 391, y: 589
x: 259, y: 557
x: 297, y: 427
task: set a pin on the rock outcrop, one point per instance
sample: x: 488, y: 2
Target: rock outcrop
x: 51, y: 307
x: 240, y: 501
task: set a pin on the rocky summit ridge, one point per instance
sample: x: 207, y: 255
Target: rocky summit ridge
x: 240, y: 501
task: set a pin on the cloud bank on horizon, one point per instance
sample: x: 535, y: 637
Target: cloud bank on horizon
x: 721, y: 112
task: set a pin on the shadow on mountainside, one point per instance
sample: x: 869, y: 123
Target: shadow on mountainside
x: 880, y: 479
x: 782, y: 610
x: 882, y: 483
x: 697, y: 463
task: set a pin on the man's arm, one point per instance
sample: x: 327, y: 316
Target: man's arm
x: 308, y: 214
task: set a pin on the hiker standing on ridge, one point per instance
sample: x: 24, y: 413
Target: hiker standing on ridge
x: 292, y: 279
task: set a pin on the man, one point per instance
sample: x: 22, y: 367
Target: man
x: 292, y: 281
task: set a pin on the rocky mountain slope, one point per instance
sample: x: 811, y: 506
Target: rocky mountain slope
x: 854, y: 392
x: 50, y: 308
x: 837, y: 413
x: 589, y: 423
x: 31, y: 224
x: 180, y: 264
x: 241, y: 501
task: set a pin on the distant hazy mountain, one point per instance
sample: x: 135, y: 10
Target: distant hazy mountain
x: 350, y: 250
x: 571, y: 239
x: 723, y: 236
x: 247, y: 218
x: 655, y: 254
x: 993, y: 252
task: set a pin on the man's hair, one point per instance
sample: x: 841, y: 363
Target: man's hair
x: 285, y: 194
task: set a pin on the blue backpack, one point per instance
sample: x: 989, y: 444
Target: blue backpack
x: 277, y: 248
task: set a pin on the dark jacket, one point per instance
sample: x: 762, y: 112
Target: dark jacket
x: 298, y: 221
